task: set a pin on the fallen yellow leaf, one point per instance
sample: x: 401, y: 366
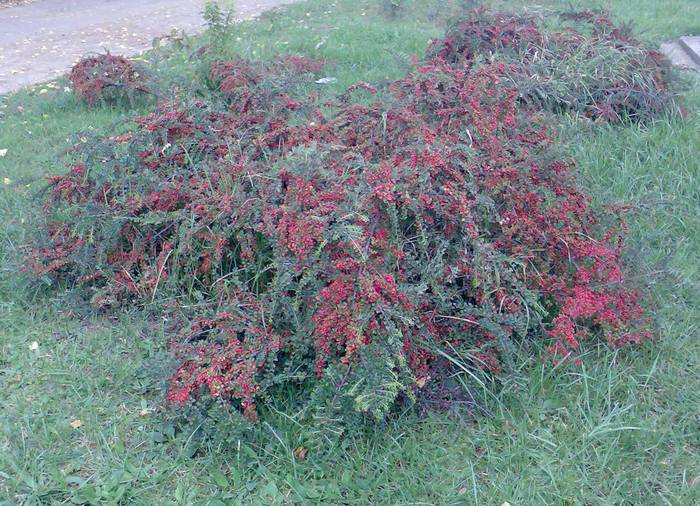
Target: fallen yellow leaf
x: 300, y: 453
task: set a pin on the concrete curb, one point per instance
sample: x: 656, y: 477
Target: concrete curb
x: 691, y: 45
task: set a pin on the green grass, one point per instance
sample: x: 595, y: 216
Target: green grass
x: 623, y: 429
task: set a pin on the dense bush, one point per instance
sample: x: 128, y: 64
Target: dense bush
x: 350, y: 250
x: 576, y: 61
x: 107, y: 77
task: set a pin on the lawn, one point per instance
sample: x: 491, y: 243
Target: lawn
x: 82, y: 422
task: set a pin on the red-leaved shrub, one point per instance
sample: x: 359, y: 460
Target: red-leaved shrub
x: 585, y: 64
x: 343, y: 248
x: 106, y: 76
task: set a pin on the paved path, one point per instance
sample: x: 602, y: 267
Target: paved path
x: 42, y: 40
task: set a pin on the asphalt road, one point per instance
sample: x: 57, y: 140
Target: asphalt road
x: 43, y: 39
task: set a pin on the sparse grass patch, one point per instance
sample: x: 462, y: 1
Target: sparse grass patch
x: 625, y: 432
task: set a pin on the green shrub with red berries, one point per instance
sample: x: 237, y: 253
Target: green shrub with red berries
x: 107, y: 77
x: 354, y: 250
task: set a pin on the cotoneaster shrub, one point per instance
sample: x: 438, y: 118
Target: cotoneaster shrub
x: 107, y: 77
x: 352, y: 250
x: 577, y: 62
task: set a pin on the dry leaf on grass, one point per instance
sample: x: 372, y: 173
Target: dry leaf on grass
x: 76, y: 424
x: 420, y: 383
